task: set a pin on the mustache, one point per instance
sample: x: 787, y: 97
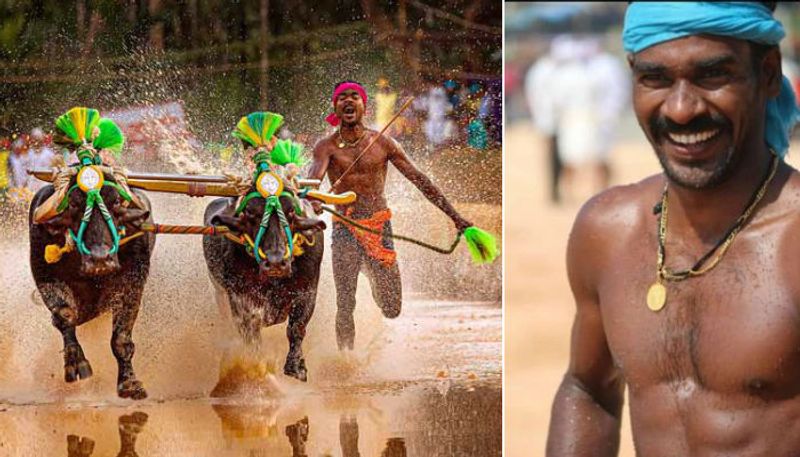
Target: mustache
x: 661, y: 125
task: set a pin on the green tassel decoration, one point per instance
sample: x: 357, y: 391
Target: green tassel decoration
x: 110, y: 137
x: 286, y: 152
x: 258, y: 128
x: 78, y: 124
x: 482, y: 245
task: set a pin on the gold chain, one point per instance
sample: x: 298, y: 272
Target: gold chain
x: 343, y: 142
x: 721, y: 248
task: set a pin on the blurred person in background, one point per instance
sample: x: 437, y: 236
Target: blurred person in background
x: 576, y: 95
x: 19, y: 192
x: 438, y: 125
x: 476, y: 111
x: 541, y: 84
x: 5, y: 153
x: 41, y: 156
x: 385, y: 104
x: 453, y: 92
x: 19, y: 162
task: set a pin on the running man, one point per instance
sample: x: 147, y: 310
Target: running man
x: 356, y: 250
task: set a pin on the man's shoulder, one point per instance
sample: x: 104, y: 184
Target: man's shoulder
x: 620, y: 211
x: 326, y: 143
x: 788, y: 199
x: 384, y: 140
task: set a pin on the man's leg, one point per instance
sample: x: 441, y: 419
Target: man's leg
x: 387, y: 289
x: 346, y: 265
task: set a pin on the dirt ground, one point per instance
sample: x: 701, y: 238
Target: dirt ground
x: 538, y: 303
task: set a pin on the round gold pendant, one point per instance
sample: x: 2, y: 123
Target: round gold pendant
x: 341, y: 145
x: 656, y: 297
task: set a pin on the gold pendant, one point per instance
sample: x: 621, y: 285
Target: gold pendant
x: 341, y: 145
x: 656, y: 297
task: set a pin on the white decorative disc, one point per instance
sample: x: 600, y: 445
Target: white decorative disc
x: 269, y: 184
x: 90, y: 178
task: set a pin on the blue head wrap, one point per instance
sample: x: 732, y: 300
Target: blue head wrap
x: 651, y: 23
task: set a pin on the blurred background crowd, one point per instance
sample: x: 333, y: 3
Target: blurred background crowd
x: 177, y: 75
x: 566, y: 76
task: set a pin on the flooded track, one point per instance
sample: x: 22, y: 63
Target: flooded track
x: 426, y: 383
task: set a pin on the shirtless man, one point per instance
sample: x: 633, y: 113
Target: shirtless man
x: 711, y: 361
x: 352, y: 252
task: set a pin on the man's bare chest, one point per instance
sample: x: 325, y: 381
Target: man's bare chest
x: 352, y: 161
x: 734, y: 328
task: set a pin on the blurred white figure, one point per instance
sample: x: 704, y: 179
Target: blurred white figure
x: 41, y: 156
x: 438, y: 126
x: 19, y: 162
x: 544, y: 91
x: 579, y: 94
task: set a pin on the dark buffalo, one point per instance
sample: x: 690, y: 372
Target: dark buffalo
x: 81, y: 286
x: 278, y: 287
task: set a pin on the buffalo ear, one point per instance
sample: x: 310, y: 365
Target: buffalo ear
x: 56, y: 225
x: 134, y: 217
x: 228, y: 221
x: 303, y: 224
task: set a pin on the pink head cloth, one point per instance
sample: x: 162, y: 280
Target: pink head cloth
x: 332, y: 118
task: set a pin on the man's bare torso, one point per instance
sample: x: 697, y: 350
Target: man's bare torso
x: 367, y: 178
x: 717, y: 371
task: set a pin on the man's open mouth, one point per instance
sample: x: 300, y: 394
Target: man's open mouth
x: 349, y: 109
x: 694, y: 145
x: 693, y: 139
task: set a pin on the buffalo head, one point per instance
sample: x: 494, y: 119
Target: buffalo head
x: 283, y: 220
x: 96, y: 231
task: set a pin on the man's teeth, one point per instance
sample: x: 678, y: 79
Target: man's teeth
x: 692, y: 138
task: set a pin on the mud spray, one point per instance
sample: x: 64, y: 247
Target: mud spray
x: 426, y: 383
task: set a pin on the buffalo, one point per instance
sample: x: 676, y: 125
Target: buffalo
x: 97, y: 273
x: 267, y: 282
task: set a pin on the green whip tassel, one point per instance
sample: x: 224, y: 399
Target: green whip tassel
x: 258, y: 128
x: 482, y: 245
x: 286, y: 152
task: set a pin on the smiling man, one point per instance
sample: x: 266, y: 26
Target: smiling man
x: 354, y: 250
x: 686, y: 283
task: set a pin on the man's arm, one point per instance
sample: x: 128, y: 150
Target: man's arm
x: 319, y: 164
x: 586, y: 415
x: 318, y: 168
x: 403, y: 164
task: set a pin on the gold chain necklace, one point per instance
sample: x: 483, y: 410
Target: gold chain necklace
x: 657, y: 293
x: 343, y: 143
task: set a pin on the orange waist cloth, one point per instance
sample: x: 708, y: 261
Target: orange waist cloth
x: 371, y: 242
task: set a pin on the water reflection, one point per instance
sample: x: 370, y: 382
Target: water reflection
x: 395, y: 447
x: 298, y: 435
x: 130, y: 425
x: 464, y: 420
x: 348, y: 440
x: 348, y: 436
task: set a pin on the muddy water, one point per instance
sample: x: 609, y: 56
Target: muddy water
x: 427, y: 383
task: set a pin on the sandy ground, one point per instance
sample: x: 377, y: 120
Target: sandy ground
x: 538, y: 303
x: 427, y: 383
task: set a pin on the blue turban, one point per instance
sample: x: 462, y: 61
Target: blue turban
x: 651, y: 23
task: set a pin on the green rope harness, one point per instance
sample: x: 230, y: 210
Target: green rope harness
x: 272, y: 205
x: 423, y: 244
x: 94, y: 199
